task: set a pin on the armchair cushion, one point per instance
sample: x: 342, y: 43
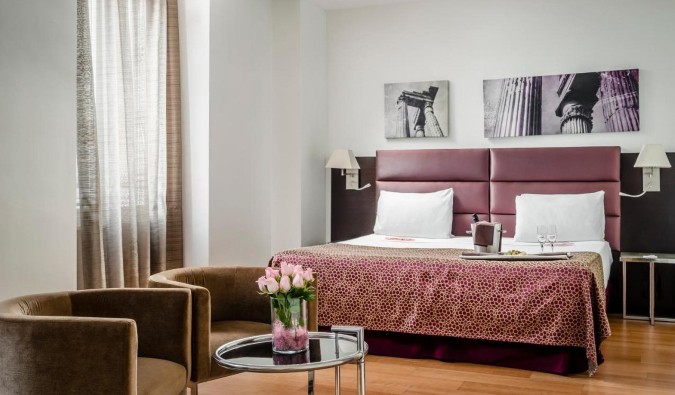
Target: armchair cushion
x: 160, y: 377
x: 226, y: 331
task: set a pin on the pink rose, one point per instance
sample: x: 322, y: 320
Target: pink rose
x: 297, y: 269
x: 261, y: 283
x: 285, y: 284
x: 298, y: 281
x: 307, y: 274
x: 271, y: 272
x: 272, y: 285
x: 287, y: 269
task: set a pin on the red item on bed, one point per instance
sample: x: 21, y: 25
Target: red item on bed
x: 434, y: 292
x: 396, y: 238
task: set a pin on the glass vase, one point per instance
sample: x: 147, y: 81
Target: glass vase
x: 289, y: 325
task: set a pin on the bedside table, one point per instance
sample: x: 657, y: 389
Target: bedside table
x: 640, y: 257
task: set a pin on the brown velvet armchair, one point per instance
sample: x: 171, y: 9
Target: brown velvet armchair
x: 113, y: 341
x: 226, y: 306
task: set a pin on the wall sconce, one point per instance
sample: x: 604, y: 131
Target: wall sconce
x: 652, y: 158
x: 344, y: 159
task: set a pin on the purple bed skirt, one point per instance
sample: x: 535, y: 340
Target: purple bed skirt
x: 549, y: 359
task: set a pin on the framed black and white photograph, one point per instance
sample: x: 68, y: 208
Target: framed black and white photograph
x: 416, y: 109
x: 597, y: 102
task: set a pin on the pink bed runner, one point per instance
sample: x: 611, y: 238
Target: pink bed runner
x: 435, y: 292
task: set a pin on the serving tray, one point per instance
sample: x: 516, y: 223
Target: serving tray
x: 528, y: 257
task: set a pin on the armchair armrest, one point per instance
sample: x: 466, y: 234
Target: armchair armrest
x: 162, y: 318
x: 37, y: 355
x: 201, y: 317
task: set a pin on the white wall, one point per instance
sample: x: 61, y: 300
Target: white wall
x: 37, y: 146
x: 240, y: 130
x: 314, y: 147
x: 268, y: 134
x: 299, y: 116
x: 193, y: 22
x: 466, y: 42
x: 285, y: 165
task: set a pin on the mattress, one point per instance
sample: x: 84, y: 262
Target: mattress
x: 466, y: 243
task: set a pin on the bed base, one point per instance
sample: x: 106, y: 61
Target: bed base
x: 548, y: 359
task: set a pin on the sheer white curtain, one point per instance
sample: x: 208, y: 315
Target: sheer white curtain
x: 122, y: 140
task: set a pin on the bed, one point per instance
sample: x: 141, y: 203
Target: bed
x: 537, y: 315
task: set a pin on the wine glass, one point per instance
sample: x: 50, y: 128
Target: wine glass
x: 551, y: 235
x: 541, y: 235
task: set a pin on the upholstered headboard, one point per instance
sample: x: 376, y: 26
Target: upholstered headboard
x: 465, y: 171
x: 514, y: 171
x: 487, y: 181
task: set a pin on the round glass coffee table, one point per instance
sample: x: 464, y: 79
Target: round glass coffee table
x: 326, y: 350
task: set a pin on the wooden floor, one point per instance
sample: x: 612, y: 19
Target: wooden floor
x: 639, y: 359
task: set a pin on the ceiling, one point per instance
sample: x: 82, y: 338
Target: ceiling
x: 337, y: 4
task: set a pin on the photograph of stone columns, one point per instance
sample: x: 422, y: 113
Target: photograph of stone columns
x: 598, y: 102
x: 416, y: 109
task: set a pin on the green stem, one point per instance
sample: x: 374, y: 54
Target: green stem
x: 283, y: 309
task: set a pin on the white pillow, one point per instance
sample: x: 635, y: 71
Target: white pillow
x: 426, y: 215
x: 579, y: 217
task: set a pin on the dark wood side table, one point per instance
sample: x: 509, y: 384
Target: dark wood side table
x: 651, y: 259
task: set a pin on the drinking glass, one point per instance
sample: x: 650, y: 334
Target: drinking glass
x: 551, y: 235
x: 541, y: 236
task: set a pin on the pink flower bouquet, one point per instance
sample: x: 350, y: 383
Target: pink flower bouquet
x: 289, y: 288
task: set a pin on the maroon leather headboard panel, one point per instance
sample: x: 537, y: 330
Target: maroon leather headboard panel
x: 465, y: 171
x: 487, y: 182
x: 515, y: 171
x: 433, y: 165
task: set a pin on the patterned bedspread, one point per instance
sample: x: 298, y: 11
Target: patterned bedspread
x: 435, y: 292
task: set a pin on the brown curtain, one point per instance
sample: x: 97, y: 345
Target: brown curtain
x: 88, y: 230
x: 129, y: 154
x: 174, y: 151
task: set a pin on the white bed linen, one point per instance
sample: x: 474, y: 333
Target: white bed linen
x: 466, y: 243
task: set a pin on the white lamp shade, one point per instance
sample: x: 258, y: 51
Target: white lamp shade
x: 652, y: 155
x: 342, y: 159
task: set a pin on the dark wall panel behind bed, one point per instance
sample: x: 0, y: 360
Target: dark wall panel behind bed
x: 353, y: 212
x: 648, y: 225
